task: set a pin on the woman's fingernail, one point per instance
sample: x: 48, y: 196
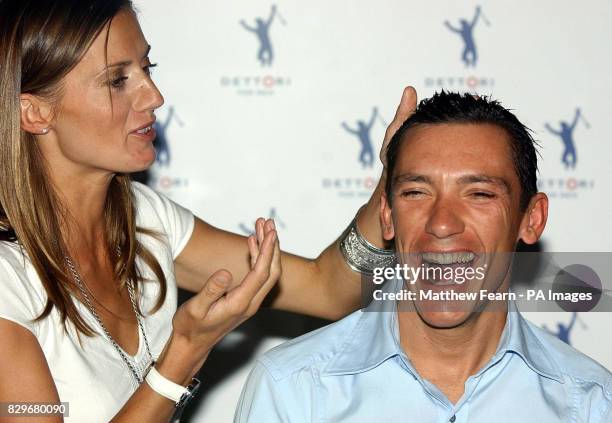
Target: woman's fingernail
x: 222, y: 277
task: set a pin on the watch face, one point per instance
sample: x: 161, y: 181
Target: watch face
x: 192, y: 388
x: 184, y: 398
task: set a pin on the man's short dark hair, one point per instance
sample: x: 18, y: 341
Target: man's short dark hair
x: 450, y: 107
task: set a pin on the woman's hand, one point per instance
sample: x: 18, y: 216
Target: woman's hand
x: 203, y: 320
x: 407, y: 106
x: 220, y: 305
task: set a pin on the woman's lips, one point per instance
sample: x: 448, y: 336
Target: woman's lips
x: 146, y: 134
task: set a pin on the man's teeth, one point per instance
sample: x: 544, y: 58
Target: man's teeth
x: 144, y: 130
x: 448, y: 258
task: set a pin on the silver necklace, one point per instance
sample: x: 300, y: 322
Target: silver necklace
x: 139, y: 378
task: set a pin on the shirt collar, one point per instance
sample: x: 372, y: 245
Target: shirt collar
x: 375, y: 339
x: 519, y: 337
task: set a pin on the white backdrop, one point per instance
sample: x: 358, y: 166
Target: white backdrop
x: 247, y: 139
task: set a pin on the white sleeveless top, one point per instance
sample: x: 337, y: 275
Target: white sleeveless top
x: 94, y: 380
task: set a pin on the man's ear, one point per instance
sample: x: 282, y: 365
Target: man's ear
x: 386, y: 222
x: 534, y: 219
x: 36, y: 115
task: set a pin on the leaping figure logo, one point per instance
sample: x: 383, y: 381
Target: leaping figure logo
x: 362, y: 132
x: 566, y: 133
x: 466, y: 30
x: 563, y: 331
x: 273, y: 215
x: 265, y: 55
x: 161, y: 142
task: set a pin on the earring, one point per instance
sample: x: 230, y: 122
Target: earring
x: 45, y: 131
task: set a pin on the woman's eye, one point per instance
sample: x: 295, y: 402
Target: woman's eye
x: 149, y: 68
x: 118, y: 82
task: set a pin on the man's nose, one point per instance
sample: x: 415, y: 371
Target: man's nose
x: 444, y: 219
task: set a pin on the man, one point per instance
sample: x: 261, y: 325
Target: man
x: 461, y: 189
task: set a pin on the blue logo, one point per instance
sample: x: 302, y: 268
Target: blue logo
x: 362, y: 132
x: 563, y: 331
x: 565, y: 132
x: 161, y: 141
x: 161, y: 177
x: 272, y: 215
x: 466, y: 31
x: 358, y: 184
x: 253, y: 84
x: 261, y: 28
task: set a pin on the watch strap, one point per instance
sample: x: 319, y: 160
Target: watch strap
x: 165, y: 387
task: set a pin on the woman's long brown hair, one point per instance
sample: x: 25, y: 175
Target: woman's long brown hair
x: 40, y: 42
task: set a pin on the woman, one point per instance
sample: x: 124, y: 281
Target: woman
x: 85, y: 251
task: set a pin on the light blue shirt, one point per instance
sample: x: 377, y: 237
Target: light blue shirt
x: 355, y: 370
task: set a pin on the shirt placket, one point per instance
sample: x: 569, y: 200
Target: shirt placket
x: 460, y: 411
x: 446, y: 407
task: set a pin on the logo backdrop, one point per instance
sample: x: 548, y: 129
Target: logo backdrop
x: 279, y: 109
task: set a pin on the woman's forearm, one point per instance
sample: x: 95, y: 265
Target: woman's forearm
x: 338, y: 286
x: 326, y: 286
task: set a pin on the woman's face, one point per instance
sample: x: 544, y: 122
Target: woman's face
x: 94, y: 134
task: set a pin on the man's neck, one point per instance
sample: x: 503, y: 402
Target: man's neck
x: 446, y: 357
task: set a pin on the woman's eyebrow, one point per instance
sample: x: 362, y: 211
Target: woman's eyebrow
x: 125, y: 62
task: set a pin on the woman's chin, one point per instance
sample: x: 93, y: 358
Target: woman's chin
x: 143, y: 161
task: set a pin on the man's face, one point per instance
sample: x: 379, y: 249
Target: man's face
x: 455, y: 199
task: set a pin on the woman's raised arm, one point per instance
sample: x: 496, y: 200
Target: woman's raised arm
x: 324, y: 287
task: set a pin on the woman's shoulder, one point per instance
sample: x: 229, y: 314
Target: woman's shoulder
x: 13, y: 259
x: 151, y: 203
x: 16, y: 267
x: 156, y: 211
x: 143, y: 191
x: 23, y: 295
x: 150, y: 206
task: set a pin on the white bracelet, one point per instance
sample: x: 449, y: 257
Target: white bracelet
x: 165, y: 387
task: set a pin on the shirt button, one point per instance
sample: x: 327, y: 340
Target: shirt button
x: 452, y: 419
